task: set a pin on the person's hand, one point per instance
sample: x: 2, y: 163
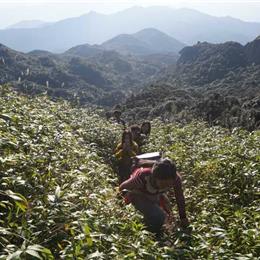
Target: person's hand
x: 121, y: 193
x: 184, y: 222
x: 169, y: 223
x: 169, y: 219
x: 124, y: 192
x: 118, y: 193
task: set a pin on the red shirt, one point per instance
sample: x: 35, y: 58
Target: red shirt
x: 140, y: 180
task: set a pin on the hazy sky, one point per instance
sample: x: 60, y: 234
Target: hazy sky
x: 13, y: 11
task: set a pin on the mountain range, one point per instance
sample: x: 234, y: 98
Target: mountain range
x: 91, y: 73
x: 185, y: 25
x: 149, y: 72
x: 28, y: 24
x: 145, y: 42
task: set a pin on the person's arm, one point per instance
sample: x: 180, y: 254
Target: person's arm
x: 132, y: 151
x: 136, y: 148
x: 166, y: 203
x: 180, y: 200
x: 143, y: 139
x: 133, y: 183
x: 119, y: 151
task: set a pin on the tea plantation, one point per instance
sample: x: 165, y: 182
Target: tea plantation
x: 58, y: 187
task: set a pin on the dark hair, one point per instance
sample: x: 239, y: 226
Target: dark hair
x: 108, y: 114
x: 135, y: 127
x: 149, y: 127
x: 164, y: 169
x: 118, y: 112
x: 125, y: 133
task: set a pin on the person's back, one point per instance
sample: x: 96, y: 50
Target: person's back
x: 140, y: 179
x: 124, y: 152
x: 145, y: 190
x: 136, y: 133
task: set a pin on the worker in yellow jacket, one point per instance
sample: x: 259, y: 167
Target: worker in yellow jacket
x: 124, y: 152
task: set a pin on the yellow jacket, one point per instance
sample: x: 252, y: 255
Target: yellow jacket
x: 121, y: 154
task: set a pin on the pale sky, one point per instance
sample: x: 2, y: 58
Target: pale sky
x: 13, y: 11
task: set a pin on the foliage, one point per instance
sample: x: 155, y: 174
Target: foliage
x: 221, y: 176
x: 79, y: 74
x: 218, y: 83
x: 58, y: 188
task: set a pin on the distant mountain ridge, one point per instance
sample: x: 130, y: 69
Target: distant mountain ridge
x: 185, y: 25
x: 145, y: 42
x: 85, y: 50
x: 28, y: 24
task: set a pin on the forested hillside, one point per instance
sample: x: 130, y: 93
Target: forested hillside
x: 58, y: 188
x: 219, y: 83
x: 85, y: 74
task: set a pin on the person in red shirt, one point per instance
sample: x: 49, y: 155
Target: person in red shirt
x: 146, y: 188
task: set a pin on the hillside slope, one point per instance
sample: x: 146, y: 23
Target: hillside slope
x: 58, y: 196
x: 84, y: 74
x: 219, y: 83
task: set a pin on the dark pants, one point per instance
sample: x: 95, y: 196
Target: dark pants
x: 124, y: 170
x: 154, y: 216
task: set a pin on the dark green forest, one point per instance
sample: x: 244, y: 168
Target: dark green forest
x: 217, y: 83
x: 80, y: 75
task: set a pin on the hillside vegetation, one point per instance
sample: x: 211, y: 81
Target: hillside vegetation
x: 84, y: 74
x: 218, y: 83
x: 58, y: 187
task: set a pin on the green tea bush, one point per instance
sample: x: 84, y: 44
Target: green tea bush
x: 59, y: 197
x: 221, y: 175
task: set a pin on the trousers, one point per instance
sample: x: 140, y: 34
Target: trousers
x: 154, y: 215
